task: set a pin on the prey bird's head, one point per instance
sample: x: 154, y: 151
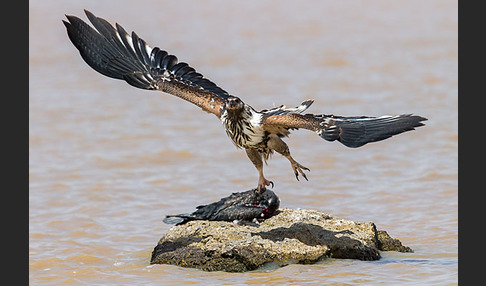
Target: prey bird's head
x: 234, y: 104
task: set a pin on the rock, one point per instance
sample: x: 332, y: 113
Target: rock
x: 290, y: 236
x: 386, y: 243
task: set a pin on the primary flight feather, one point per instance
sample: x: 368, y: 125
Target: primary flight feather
x: 113, y: 52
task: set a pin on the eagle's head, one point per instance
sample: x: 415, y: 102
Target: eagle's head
x: 234, y: 104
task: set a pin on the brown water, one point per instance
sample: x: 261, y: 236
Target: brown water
x: 108, y: 161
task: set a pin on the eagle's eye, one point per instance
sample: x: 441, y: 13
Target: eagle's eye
x: 234, y: 102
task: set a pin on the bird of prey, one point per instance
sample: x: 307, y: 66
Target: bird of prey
x: 111, y: 51
x: 243, y: 207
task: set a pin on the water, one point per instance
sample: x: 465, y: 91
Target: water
x: 107, y: 161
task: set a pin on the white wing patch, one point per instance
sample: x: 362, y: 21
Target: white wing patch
x: 282, y: 109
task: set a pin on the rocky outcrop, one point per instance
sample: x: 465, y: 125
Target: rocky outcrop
x: 290, y: 236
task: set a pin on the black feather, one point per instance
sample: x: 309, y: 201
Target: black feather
x: 139, y: 46
x: 112, y: 52
x: 359, y: 130
x: 178, y: 66
x: 238, y: 206
x: 157, y: 56
x: 168, y: 62
x: 183, y: 71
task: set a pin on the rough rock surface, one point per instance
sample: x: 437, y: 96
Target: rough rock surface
x: 290, y: 236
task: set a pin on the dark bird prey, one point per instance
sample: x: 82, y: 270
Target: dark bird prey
x: 249, y: 206
x: 114, y: 53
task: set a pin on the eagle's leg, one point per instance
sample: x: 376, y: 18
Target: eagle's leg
x: 281, y: 147
x: 256, y: 159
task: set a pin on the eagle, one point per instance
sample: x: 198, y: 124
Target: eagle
x: 111, y: 51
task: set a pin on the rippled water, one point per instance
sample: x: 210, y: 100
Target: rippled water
x: 107, y: 161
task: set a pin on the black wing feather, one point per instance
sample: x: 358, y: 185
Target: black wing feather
x: 112, y: 52
x: 140, y: 43
x: 356, y: 131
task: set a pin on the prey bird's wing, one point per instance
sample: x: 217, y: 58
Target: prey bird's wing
x: 114, y: 53
x: 353, y: 131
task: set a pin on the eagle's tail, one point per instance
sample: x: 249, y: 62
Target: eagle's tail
x: 357, y: 131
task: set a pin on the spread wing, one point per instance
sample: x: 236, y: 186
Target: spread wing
x: 114, y: 53
x: 354, y: 131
